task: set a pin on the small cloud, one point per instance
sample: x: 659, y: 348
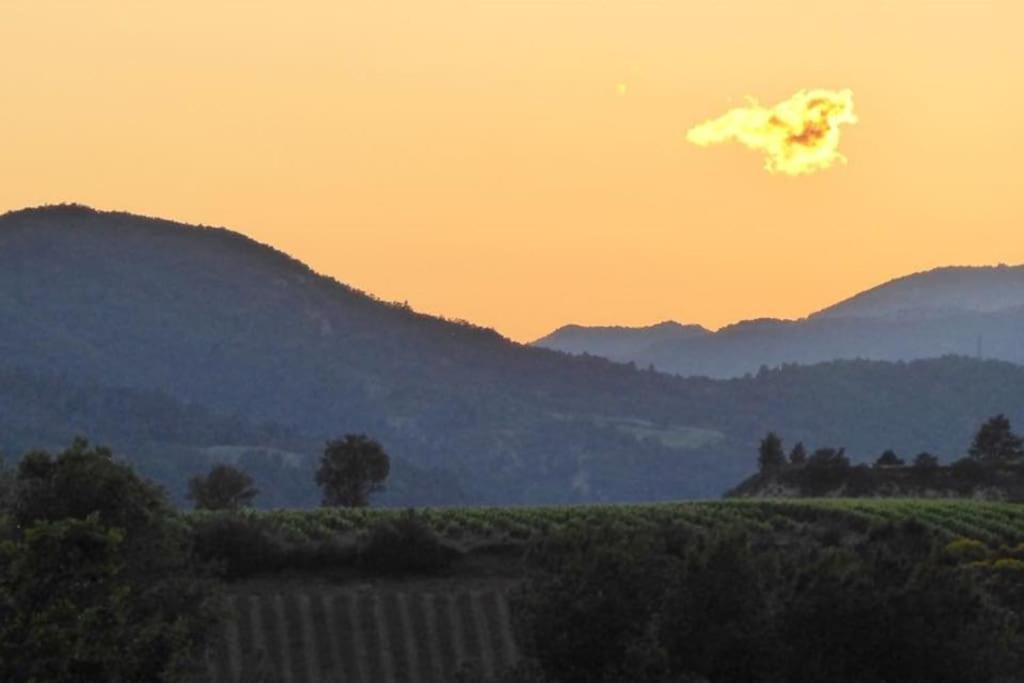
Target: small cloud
x: 799, y: 135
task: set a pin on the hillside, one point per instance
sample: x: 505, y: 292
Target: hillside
x: 217, y: 323
x: 938, y: 292
x: 961, y: 311
x: 623, y: 344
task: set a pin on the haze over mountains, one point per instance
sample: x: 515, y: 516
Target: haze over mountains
x: 947, y: 311
x: 182, y: 346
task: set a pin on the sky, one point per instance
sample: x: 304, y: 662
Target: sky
x: 523, y: 164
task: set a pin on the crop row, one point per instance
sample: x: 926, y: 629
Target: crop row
x: 989, y: 522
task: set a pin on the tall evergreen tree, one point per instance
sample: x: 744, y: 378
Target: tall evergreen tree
x: 995, y: 442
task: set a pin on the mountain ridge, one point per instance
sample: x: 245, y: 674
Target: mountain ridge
x: 964, y: 310
x: 211, y: 318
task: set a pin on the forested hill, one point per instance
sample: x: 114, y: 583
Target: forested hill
x: 210, y: 318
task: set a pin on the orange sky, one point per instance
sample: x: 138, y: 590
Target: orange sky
x: 480, y: 160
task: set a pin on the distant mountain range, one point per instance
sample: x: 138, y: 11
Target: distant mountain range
x: 962, y: 311
x: 181, y: 346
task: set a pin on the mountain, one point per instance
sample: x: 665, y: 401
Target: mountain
x: 937, y: 293
x: 949, y: 311
x: 187, y: 345
x: 622, y: 344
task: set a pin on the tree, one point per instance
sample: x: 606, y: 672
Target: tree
x: 351, y: 469
x: 829, y: 457
x: 770, y: 454
x: 889, y: 459
x: 63, y: 604
x: 925, y: 461
x: 97, y: 581
x: 6, y: 486
x: 798, y: 456
x: 225, y: 488
x: 995, y: 442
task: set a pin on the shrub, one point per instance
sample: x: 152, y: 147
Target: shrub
x: 967, y: 550
x: 236, y: 545
x: 406, y: 545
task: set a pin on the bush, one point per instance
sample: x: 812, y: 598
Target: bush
x: 722, y: 608
x: 239, y: 546
x: 968, y: 470
x: 406, y: 545
x: 96, y: 578
x: 236, y: 545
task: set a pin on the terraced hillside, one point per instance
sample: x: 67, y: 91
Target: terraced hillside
x: 411, y: 631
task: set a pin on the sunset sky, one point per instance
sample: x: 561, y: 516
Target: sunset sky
x: 523, y: 163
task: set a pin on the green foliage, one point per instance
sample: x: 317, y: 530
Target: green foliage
x: 92, y: 538
x: 995, y: 442
x: 64, y: 613
x: 925, y: 462
x: 770, y: 454
x: 225, y: 487
x: 7, y: 484
x: 351, y: 469
x: 798, y: 456
x: 967, y: 550
x: 242, y: 545
x: 81, y: 481
x: 724, y: 606
x: 889, y: 459
x: 405, y: 545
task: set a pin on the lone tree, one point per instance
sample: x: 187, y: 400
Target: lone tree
x: 351, y: 469
x: 770, y: 455
x: 889, y: 459
x: 225, y: 488
x: 995, y: 442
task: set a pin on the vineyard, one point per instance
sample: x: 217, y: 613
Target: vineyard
x: 391, y: 634
x: 359, y: 628
x: 989, y: 522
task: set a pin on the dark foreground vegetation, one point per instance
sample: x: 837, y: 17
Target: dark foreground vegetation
x: 100, y: 579
x: 887, y: 602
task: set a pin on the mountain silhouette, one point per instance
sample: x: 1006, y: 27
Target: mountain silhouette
x: 241, y: 349
x: 948, y: 311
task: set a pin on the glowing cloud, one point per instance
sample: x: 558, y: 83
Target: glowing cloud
x: 799, y: 135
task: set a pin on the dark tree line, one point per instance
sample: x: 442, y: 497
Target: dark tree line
x: 995, y: 443
x: 675, y: 605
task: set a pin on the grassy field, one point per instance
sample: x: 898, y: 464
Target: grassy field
x: 353, y: 628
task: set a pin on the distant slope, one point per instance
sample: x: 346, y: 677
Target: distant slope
x: 939, y: 292
x: 208, y: 318
x: 958, y: 311
x: 170, y: 441
x: 622, y: 344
